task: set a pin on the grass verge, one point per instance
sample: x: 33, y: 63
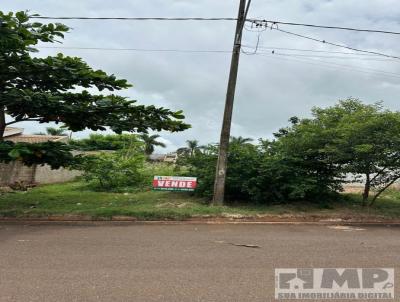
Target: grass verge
x: 76, y: 198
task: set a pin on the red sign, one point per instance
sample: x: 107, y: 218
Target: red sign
x: 174, y: 183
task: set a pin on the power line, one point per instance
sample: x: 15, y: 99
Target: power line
x: 260, y: 21
x: 331, y: 65
x: 274, y: 22
x: 312, y: 50
x: 139, y: 49
x: 333, y: 57
x: 136, y: 18
x: 345, y: 66
x: 339, y: 57
x: 335, y: 44
x: 292, y: 57
x: 354, y: 57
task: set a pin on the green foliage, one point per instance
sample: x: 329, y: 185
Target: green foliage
x: 151, y: 169
x: 54, y: 154
x: 56, y: 88
x: 260, y: 173
x: 240, y: 140
x: 201, y: 165
x: 350, y: 137
x: 105, y: 142
x: 282, y: 176
x: 150, y: 141
x: 56, y: 131
x: 110, y: 171
x: 192, y: 146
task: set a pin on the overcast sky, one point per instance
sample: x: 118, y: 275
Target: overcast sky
x: 271, y: 88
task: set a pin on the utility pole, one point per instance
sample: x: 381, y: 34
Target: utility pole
x: 220, y: 174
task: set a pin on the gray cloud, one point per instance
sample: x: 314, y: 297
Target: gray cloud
x: 270, y: 89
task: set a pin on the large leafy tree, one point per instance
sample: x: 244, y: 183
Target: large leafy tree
x: 358, y: 140
x: 54, y: 88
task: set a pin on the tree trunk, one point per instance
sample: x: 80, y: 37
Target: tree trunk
x: 381, y: 191
x: 367, y: 188
x: 2, y: 122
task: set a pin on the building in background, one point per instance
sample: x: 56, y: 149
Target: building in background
x: 164, y: 158
x: 16, y: 172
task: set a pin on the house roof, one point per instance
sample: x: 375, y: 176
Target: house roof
x: 15, y: 135
x: 32, y: 139
x: 157, y: 156
x: 11, y: 131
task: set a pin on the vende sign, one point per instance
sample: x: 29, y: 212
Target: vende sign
x: 174, y: 183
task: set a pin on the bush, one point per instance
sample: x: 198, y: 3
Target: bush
x: 242, y: 165
x: 261, y: 173
x: 161, y: 169
x: 114, y: 170
x: 105, y: 142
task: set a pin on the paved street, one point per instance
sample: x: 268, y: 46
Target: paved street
x: 176, y: 262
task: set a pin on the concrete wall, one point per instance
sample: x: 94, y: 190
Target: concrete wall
x: 17, y: 172
x: 45, y: 175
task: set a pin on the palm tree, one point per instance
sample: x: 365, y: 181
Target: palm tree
x: 240, y: 140
x: 193, y: 146
x: 55, y: 131
x: 150, y: 141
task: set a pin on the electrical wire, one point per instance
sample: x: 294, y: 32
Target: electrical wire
x: 312, y: 50
x: 253, y: 51
x: 337, y: 57
x: 136, y: 18
x: 335, y: 44
x: 332, y: 65
x: 346, y: 66
x: 325, y: 26
x: 138, y: 49
x: 274, y: 22
x: 292, y: 57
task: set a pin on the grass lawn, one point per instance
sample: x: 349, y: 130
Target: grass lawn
x: 76, y: 198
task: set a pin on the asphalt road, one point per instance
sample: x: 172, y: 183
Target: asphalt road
x: 176, y: 262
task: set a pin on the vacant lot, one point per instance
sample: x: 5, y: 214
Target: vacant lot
x: 78, y: 199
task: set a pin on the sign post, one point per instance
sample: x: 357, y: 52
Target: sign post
x: 174, y: 183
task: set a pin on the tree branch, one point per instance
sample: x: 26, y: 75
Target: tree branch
x: 378, y: 173
x: 383, y: 189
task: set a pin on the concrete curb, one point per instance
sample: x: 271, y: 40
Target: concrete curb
x: 124, y: 220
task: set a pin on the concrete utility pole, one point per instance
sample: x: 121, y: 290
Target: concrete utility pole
x: 220, y: 175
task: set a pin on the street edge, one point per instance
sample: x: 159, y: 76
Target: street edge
x: 117, y: 220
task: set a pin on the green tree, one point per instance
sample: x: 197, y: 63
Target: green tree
x: 56, y: 131
x: 105, y: 142
x: 354, y: 138
x: 193, y: 146
x: 240, y: 140
x: 114, y: 170
x: 54, y: 88
x: 262, y: 173
x: 150, y: 141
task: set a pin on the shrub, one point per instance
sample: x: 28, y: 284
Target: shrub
x: 161, y: 169
x: 114, y: 170
x: 243, y: 160
x: 261, y: 173
x: 105, y: 142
